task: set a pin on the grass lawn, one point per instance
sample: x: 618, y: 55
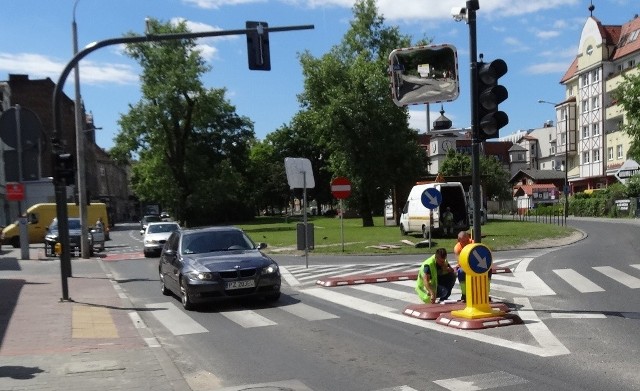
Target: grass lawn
x: 281, y: 235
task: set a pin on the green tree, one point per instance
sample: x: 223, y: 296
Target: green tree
x: 346, y: 103
x: 628, y: 96
x: 188, y: 147
x: 494, y: 177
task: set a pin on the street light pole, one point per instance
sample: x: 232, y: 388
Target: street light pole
x: 567, y: 144
x: 81, y: 177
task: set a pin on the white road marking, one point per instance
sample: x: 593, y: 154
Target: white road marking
x: 365, y: 306
x: 483, y: 381
x: 533, y: 285
x: 248, y: 318
x: 307, y: 312
x: 288, y: 277
x: 575, y: 279
x: 620, y: 276
x: 571, y: 315
x: 387, y: 292
x: 175, y: 320
x: 539, y: 330
x: 548, y: 344
x: 523, y: 265
x: 399, y: 388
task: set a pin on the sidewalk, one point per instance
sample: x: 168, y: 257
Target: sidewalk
x: 87, y: 343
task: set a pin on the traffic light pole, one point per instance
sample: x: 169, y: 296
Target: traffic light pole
x: 472, y: 7
x: 56, y: 144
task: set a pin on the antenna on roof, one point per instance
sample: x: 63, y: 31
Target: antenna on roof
x: 592, y: 7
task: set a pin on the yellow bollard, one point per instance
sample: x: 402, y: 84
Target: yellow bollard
x: 58, y: 249
x: 475, y: 259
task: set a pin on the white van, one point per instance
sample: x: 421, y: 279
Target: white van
x: 415, y: 216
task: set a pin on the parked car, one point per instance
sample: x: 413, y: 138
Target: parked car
x: 156, y: 235
x: 75, y: 232
x: 148, y: 219
x: 216, y: 263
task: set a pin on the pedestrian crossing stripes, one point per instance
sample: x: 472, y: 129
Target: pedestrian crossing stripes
x: 388, y: 300
x: 519, y: 283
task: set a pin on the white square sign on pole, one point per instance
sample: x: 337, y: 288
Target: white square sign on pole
x: 299, y: 173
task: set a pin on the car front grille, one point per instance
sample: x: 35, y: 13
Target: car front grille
x: 234, y: 274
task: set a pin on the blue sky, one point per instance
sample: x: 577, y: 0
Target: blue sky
x: 537, y: 38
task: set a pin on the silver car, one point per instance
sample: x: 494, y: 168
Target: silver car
x: 155, y: 235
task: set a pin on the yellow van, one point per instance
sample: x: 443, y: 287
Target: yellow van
x: 39, y: 216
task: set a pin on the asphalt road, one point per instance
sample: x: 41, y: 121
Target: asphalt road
x: 579, y: 332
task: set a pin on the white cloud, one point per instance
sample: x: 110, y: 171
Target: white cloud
x: 548, y: 34
x: 38, y: 66
x: 215, y: 4
x: 547, y: 67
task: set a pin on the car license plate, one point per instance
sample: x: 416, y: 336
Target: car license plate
x: 240, y: 284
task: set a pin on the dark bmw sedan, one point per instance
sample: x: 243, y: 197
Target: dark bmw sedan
x: 215, y: 263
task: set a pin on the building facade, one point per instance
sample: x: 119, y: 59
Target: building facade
x: 589, y: 120
x: 106, y: 182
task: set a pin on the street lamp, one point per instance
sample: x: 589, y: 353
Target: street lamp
x: 80, y: 137
x: 566, y: 158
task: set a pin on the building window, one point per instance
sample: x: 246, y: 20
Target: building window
x: 585, y: 106
x: 552, y: 150
x: 610, y: 153
x: 595, y: 102
x: 631, y: 63
x: 596, y: 75
x: 585, y: 131
x: 595, y: 129
x: 619, y: 151
x: 585, y: 79
x: 563, y: 139
x: 596, y: 155
x: 585, y: 157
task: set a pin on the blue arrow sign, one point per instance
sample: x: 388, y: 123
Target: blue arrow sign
x: 480, y: 259
x: 431, y: 198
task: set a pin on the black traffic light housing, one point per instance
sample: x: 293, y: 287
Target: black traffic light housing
x: 258, y: 46
x: 489, y: 96
x: 64, y: 168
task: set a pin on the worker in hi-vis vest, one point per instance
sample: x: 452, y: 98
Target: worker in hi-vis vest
x: 463, y: 239
x: 435, y: 278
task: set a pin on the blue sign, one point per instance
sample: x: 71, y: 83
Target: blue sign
x: 431, y: 198
x: 480, y: 259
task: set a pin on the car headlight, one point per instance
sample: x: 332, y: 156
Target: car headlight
x: 273, y: 268
x: 151, y: 241
x: 201, y: 276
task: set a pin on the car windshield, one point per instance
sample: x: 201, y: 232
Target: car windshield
x: 73, y: 224
x: 159, y: 228
x: 210, y: 241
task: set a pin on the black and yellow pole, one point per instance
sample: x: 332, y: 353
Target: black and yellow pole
x: 475, y: 259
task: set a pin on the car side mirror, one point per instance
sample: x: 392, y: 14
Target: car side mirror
x: 262, y: 246
x: 33, y: 218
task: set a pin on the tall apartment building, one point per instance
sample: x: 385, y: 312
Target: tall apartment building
x: 589, y: 142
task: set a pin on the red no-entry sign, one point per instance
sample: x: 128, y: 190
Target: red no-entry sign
x: 15, y: 192
x: 341, y: 188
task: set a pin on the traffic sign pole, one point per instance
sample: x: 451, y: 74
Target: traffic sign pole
x: 341, y: 189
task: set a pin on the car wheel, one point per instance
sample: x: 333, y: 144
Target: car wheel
x: 163, y: 287
x: 402, y: 230
x: 184, y: 297
x: 425, y: 232
x: 15, y: 242
x: 147, y: 255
